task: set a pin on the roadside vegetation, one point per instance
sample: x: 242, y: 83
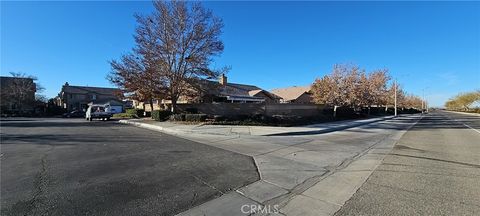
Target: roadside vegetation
x: 465, y: 102
x: 174, y: 47
x: 351, y: 86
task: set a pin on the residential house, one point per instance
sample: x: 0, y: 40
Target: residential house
x: 224, y: 91
x: 295, y: 94
x: 220, y: 91
x: 78, y: 97
x: 111, y: 105
x: 17, y: 95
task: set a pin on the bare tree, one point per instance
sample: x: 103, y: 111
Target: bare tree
x: 175, y: 47
x: 137, y: 77
x: 22, y: 90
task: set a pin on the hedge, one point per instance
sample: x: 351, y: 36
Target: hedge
x: 191, y: 110
x: 124, y: 115
x: 138, y: 112
x: 177, y: 117
x: 195, y: 117
x: 161, y: 115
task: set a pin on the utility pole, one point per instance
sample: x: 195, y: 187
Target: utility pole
x: 395, y: 88
x: 424, y: 103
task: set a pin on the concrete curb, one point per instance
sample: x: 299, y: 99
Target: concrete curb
x: 464, y: 113
x: 333, y: 129
x: 310, y: 132
x: 152, y: 127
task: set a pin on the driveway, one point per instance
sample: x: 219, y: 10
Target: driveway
x: 73, y: 167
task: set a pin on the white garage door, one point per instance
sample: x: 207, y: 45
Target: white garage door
x: 116, y: 109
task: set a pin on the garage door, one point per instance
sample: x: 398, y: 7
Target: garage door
x: 116, y: 109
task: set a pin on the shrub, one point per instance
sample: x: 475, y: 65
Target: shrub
x: 218, y: 118
x: 125, y: 115
x: 195, y: 117
x: 147, y: 114
x: 191, y: 110
x: 177, y: 117
x: 161, y: 115
x: 138, y: 112
x: 131, y: 111
x: 259, y: 118
x: 238, y: 117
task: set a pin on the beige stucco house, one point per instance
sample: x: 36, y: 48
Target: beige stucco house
x: 294, y: 94
x: 220, y: 91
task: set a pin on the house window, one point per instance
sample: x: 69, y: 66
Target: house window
x: 94, y: 97
x: 70, y: 96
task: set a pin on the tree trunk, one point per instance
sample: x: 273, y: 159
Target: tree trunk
x: 151, y: 107
x: 174, y: 105
x: 335, y: 111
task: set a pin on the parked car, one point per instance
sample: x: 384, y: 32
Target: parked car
x: 74, y: 114
x: 97, y: 112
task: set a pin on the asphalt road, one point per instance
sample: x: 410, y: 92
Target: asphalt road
x: 434, y: 169
x: 74, y: 167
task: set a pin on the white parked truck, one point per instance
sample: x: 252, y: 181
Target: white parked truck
x: 96, y: 111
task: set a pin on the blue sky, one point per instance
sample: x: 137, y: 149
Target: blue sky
x: 432, y: 45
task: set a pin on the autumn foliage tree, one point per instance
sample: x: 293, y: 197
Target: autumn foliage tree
x: 175, y: 46
x: 350, y: 86
x: 463, y: 101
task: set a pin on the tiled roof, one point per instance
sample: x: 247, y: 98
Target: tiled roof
x: 236, y: 89
x: 88, y: 89
x: 254, y: 92
x: 291, y: 93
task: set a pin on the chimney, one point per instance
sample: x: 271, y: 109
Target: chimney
x: 223, y: 80
x: 66, y: 84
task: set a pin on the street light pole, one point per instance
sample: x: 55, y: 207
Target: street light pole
x: 423, y: 99
x: 395, y: 88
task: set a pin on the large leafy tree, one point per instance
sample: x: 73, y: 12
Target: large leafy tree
x: 175, y: 46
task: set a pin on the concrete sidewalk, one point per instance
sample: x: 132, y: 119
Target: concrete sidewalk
x: 227, y: 130
x: 464, y: 113
x: 312, y: 172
